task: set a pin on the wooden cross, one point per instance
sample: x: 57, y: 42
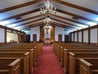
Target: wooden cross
x: 47, y: 30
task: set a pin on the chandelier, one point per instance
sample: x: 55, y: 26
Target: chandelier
x: 47, y: 20
x: 48, y: 7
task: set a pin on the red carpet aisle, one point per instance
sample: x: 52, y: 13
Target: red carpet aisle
x: 48, y: 63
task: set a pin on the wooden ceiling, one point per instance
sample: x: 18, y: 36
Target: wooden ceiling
x: 70, y: 14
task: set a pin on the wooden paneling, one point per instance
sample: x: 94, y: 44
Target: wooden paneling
x: 53, y: 33
x: 42, y: 33
x: 86, y: 35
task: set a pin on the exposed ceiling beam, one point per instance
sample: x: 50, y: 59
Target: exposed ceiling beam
x: 37, y: 25
x: 69, y: 24
x: 19, y: 15
x: 65, y: 26
x: 19, y: 6
x: 26, y: 19
x: 58, y: 24
x: 62, y: 23
x: 53, y: 22
x: 33, y: 25
x: 30, y: 22
x: 76, y: 6
x: 75, y: 15
x: 68, y: 19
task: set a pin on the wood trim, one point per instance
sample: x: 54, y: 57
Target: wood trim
x: 77, y: 36
x: 5, y: 36
x: 74, y: 36
x: 78, y: 16
x: 70, y: 37
x: 89, y: 32
x: 82, y: 36
x: 69, y: 24
x: 89, y: 36
x: 97, y: 34
x: 7, y: 28
x: 62, y: 24
x: 26, y: 19
x: 42, y: 33
x: 30, y: 22
x: 58, y: 24
x: 77, y: 7
x: 22, y: 14
x: 53, y: 33
x: 35, y: 24
x: 67, y: 19
x: 19, y: 6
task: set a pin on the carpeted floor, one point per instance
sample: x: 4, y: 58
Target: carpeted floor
x: 48, y: 63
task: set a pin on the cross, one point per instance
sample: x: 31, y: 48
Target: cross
x: 47, y: 30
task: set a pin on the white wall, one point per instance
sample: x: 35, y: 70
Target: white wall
x: 35, y: 30
x: 85, y: 36
x: 2, y: 35
x: 93, y: 35
x: 59, y: 30
x: 72, y: 35
x: 80, y: 36
x: 12, y: 36
x: 76, y: 37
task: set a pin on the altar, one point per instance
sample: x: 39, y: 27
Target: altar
x: 47, y: 34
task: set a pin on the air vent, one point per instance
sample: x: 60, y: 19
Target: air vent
x: 17, y: 18
x: 75, y: 18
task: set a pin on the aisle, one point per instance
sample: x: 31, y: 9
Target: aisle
x: 48, y: 63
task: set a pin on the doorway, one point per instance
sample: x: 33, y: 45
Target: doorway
x: 34, y: 37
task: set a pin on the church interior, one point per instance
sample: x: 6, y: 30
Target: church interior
x: 48, y: 36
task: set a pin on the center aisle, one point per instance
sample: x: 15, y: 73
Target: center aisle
x: 48, y: 62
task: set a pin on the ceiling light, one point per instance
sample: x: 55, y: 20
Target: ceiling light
x: 11, y: 25
x: 4, y: 23
x: 96, y: 19
x: 92, y: 23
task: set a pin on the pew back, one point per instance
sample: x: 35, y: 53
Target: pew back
x: 9, y: 66
x: 89, y: 66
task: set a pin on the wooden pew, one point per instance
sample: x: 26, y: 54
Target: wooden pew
x: 66, y: 55
x: 24, y: 66
x: 89, y: 66
x: 9, y: 66
x: 31, y: 54
x: 16, y: 48
x: 57, y: 50
x: 74, y: 60
x: 74, y: 48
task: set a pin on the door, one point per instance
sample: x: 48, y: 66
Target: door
x: 66, y: 38
x: 34, y: 37
x: 60, y: 37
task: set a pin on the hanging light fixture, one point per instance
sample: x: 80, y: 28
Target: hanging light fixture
x: 48, y: 7
x: 47, y: 21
